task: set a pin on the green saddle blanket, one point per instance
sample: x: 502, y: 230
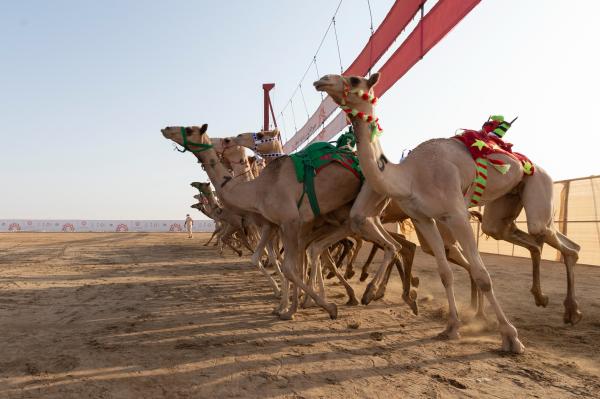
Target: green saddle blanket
x: 313, y: 159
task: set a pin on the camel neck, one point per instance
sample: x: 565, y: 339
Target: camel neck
x: 233, y: 192
x: 379, y: 172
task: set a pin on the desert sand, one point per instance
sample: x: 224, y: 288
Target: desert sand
x: 132, y: 315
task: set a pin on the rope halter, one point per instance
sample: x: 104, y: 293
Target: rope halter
x: 373, y: 121
x: 187, y: 144
x: 259, y: 141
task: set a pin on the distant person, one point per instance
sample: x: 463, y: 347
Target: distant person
x: 189, y: 223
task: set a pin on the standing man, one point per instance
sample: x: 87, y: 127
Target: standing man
x: 189, y: 223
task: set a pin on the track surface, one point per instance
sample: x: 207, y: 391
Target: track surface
x: 159, y: 316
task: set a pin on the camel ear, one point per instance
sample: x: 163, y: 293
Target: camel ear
x: 204, y: 128
x: 373, y: 79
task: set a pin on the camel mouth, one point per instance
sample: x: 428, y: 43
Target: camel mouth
x: 165, y: 132
x: 320, y: 85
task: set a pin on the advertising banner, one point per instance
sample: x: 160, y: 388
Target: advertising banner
x: 119, y: 226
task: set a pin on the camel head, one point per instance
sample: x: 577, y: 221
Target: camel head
x: 260, y: 142
x: 192, y: 138
x: 233, y: 154
x: 264, y: 143
x: 350, y: 91
x: 204, y: 188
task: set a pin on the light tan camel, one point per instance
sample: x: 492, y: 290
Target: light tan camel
x: 430, y: 184
x: 364, y: 223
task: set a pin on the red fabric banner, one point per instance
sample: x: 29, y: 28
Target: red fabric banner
x: 395, y: 21
x: 429, y: 31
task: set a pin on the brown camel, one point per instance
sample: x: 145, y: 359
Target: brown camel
x: 428, y: 191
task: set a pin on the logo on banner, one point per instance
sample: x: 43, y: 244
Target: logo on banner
x: 122, y: 228
x: 68, y: 228
x: 14, y: 227
x: 175, y: 227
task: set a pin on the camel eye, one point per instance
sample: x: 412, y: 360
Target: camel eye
x: 354, y: 81
x: 260, y: 135
x: 188, y: 131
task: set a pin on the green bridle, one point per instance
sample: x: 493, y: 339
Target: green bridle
x: 186, y: 144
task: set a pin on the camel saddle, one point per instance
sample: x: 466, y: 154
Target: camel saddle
x: 312, y: 159
x: 480, y: 145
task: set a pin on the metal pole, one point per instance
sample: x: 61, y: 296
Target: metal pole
x: 267, y: 104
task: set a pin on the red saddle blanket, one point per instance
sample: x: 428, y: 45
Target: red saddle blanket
x: 480, y: 145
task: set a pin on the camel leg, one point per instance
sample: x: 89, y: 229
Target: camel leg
x: 407, y: 252
x: 458, y: 223
x: 321, y: 245
x: 211, y: 237
x: 273, y: 258
x: 257, y: 255
x: 498, y: 222
x: 537, y: 199
x: 350, y: 266
x: 431, y: 234
x: 570, y: 254
x: 290, y: 232
x: 314, y: 262
x: 335, y: 248
x: 364, y: 273
x: 352, y: 301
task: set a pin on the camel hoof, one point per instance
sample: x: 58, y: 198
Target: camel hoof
x: 276, y: 312
x: 363, y: 276
x: 368, y: 295
x: 330, y: 275
x: 414, y: 281
x: 332, y: 310
x: 379, y: 295
x: 572, y: 316
x: 286, y: 315
x: 307, y: 303
x: 450, y: 333
x: 349, y: 275
x: 412, y: 303
x: 352, y: 302
x: 540, y: 299
x: 512, y: 345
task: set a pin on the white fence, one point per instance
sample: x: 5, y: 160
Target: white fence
x: 15, y: 225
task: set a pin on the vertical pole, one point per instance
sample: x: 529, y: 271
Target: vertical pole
x: 267, y: 104
x: 421, y: 30
x: 563, y: 212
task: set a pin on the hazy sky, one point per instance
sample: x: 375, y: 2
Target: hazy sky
x: 86, y: 86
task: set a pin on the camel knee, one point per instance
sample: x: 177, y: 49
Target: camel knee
x: 538, y: 229
x: 496, y: 232
x: 483, y: 281
x: 356, y: 223
x: 447, y: 277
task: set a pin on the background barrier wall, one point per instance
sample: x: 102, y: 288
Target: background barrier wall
x: 15, y: 225
x: 576, y: 213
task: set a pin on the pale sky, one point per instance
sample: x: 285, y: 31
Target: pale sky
x: 85, y: 88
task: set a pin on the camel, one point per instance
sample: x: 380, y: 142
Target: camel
x: 364, y: 223
x: 429, y: 185
x: 274, y: 195
x: 231, y: 222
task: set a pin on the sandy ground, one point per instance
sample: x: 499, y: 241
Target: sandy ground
x: 159, y: 316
